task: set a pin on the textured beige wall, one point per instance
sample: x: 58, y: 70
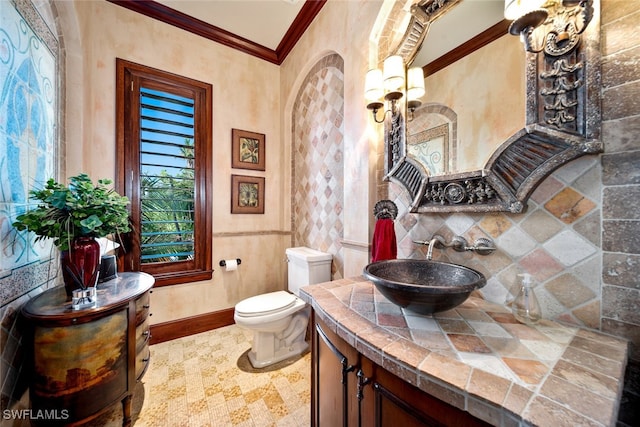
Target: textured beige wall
x: 245, y: 96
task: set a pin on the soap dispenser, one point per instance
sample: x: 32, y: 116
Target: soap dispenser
x: 526, y: 308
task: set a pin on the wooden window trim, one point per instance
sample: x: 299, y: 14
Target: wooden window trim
x: 127, y: 166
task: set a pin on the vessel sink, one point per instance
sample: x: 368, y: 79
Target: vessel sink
x: 424, y: 286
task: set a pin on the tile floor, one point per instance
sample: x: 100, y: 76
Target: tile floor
x: 207, y: 380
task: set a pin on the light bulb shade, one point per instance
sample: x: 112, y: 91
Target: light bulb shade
x: 514, y: 9
x: 415, y: 83
x: 393, y: 73
x: 373, y: 85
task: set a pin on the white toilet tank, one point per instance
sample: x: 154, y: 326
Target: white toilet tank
x: 307, y: 267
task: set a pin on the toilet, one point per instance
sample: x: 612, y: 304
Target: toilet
x: 279, y: 319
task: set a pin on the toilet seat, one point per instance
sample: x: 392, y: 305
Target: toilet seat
x: 261, y: 305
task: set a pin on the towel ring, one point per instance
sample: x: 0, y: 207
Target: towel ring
x: 385, y: 209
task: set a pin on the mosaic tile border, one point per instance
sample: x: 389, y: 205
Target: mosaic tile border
x: 37, y: 24
x: 27, y: 278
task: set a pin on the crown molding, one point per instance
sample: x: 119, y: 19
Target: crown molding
x: 493, y: 33
x: 170, y: 16
x: 299, y: 25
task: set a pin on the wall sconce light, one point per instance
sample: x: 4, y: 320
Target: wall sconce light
x: 525, y: 13
x: 415, y: 89
x: 568, y: 19
x: 390, y: 84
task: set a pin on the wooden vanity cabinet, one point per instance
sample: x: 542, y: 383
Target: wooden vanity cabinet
x: 332, y: 380
x: 84, y: 361
x: 349, y: 389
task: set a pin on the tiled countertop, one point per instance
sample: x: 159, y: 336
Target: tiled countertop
x: 477, y: 357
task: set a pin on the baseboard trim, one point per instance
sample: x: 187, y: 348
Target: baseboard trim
x: 167, y: 331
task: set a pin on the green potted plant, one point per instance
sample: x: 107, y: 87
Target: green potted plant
x: 74, y: 216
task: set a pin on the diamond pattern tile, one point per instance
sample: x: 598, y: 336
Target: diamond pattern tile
x: 569, y: 247
x: 569, y: 206
x: 317, y: 184
x: 489, y: 338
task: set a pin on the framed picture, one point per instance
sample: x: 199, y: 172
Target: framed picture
x: 247, y: 194
x: 247, y: 150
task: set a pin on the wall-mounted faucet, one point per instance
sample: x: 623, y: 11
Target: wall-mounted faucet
x: 435, y: 241
x: 482, y: 246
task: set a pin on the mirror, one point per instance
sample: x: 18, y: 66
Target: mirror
x: 497, y: 119
x: 461, y: 123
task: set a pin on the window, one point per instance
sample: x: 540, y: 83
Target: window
x: 164, y: 167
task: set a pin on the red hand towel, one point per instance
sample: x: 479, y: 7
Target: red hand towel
x: 384, y: 241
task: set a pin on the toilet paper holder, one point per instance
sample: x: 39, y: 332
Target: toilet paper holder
x: 223, y: 262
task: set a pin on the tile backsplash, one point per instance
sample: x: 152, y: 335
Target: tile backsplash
x: 555, y: 240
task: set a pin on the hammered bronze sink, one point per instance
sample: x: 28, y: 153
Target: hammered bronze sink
x: 424, y: 286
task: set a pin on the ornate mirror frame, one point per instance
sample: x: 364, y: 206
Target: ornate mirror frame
x: 563, y: 115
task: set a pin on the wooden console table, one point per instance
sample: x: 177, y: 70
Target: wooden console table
x: 84, y: 361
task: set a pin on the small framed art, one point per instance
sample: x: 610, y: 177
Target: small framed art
x: 247, y: 194
x: 247, y: 150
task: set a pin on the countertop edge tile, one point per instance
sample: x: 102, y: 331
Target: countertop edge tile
x: 372, y: 353
x: 452, y: 372
x: 486, y: 412
x: 586, y: 379
x: 545, y: 412
x: 597, y: 407
x: 346, y: 335
x: 488, y: 387
x: 401, y: 370
x: 443, y: 392
x: 602, y: 365
x: 517, y: 399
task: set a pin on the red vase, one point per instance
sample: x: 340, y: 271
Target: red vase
x: 80, y: 264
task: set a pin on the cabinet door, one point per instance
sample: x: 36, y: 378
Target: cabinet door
x: 81, y: 368
x: 389, y: 401
x: 333, y: 381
